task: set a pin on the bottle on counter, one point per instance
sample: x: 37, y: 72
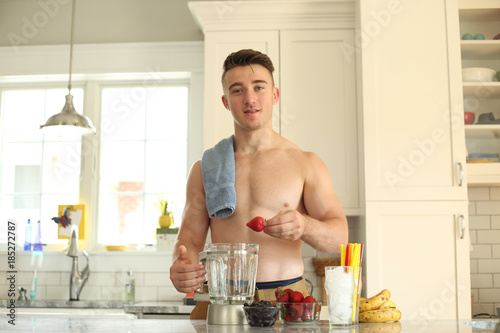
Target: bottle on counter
x: 130, y: 287
x: 27, y: 237
x: 37, y: 245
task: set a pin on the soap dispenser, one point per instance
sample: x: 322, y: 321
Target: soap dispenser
x: 130, y: 287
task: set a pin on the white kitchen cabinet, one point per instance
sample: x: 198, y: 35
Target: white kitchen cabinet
x: 318, y: 103
x: 317, y: 108
x: 414, y: 158
x: 419, y: 251
x: 414, y: 140
x: 481, y: 17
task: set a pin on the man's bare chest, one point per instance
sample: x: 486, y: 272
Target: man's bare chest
x: 269, y: 183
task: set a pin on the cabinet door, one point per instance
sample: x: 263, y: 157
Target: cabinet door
x: 318, y: 103
x: 218, y: 122
x: 416, y: 250
x: 414, y: 139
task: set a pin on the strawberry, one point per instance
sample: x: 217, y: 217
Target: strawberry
x: 288, y: 317
x: 257, y: 223
x: 310, y: 302
x: 296, y: 297
x: 297, y: 310
x: 308, y: 299
x: 281, y: 296
x: 308, y: 315
x: 288, y: 291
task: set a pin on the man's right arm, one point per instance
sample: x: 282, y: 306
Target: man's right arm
x: 186, y: 274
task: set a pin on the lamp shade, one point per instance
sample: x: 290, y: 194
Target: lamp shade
x: 69, y: 117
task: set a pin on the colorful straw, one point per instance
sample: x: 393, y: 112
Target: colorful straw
x: 352, y: 255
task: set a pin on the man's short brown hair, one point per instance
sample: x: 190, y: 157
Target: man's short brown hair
x: 247, y: 57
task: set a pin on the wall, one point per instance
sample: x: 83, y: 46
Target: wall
x: 484, y: 218
x: 48, y: 22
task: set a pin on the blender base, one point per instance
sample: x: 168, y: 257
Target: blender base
x: 226, y: 314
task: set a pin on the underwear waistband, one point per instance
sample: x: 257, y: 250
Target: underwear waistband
x: 276, y: 284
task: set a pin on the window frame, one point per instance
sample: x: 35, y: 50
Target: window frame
x: 108, y: 65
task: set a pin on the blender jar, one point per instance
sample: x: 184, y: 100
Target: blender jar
x: 231, y: 272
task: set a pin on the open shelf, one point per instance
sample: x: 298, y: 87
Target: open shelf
x: 479, y: 131
x: 482, y: 89
x: 480, y: 49
x: 481, y: 174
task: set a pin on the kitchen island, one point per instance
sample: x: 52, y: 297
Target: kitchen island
x: 29, y: 324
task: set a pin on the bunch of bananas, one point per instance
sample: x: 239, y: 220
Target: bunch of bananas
x: 378, y: 309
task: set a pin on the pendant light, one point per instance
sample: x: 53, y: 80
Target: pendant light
x: 68, y: 116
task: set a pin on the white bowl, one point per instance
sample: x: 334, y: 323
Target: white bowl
x: 478, y: 74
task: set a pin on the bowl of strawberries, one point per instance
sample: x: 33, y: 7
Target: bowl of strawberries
x: 297, y: 309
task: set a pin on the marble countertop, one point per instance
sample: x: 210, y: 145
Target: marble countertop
x: 27, y: 324
x: 136, y: 307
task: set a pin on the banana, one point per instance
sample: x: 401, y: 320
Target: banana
x: 387, y: 304
x: 374, y: 302
x: 381, y: 327
x: 380, y: 316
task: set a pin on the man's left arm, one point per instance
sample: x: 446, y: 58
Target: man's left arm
x: 324, y: 227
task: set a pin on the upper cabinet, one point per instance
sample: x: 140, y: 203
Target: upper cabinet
x: 309, y: 43
x: 414, y: 143
x: 481, y: 19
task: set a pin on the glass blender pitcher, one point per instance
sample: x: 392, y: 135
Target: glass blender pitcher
x: 231, y: 276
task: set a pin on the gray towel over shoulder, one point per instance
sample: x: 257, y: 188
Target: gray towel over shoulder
x: 218, y: 171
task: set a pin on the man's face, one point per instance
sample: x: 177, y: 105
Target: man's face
x: 249, y: 94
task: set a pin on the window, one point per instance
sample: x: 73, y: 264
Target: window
x: 38, y: 170
x: 142, y: 145
x: 143, y: 153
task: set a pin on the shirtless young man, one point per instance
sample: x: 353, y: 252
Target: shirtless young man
x: 274, y: 179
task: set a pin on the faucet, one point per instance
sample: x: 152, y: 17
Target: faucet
x: 77, y: 280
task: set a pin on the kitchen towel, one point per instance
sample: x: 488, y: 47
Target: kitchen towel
x: 218, y: 171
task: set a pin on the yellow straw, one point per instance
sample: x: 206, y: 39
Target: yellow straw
x: 356, y: 262
x: 342, y: 255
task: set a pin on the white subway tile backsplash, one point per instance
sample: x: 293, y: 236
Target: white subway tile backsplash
x: 472, y: 208
x: 146, y: 294
x: 488, y: 207
x: 484, y: 226
x: 478, y: 193
x: 169, y: 294
x: 482, y: 281
x: 488, y: 236
x: 479, y: 222
x: 473, y: 236
x: 156, y: 279
x: 488, y: 265
x: 113, y: 293
x: 495, y: 222
x: 55, y: 293
x: 495, y: 193
x: 308, y: 251
x: 49, y: 278
x: 489, y: 295
x: 496, y: 280
x: 496, y: 251
x: 102, y: 279
x: 473, y: 266
x: 90, y: 293
x: 481, y: 252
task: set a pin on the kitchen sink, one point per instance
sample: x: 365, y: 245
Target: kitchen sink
x: 68, y: 309
x: 70, y: 313
x: 486, y: 324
